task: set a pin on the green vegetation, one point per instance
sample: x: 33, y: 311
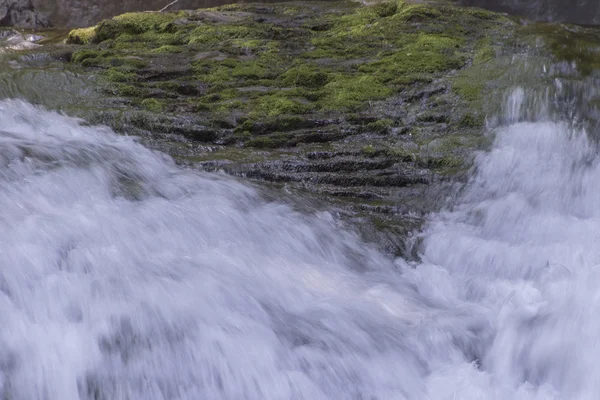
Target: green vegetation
x: 118, y: 75
x: 153, y: 105
x: 380, y: 126
x: 168, y: 49
x: 81, y: 36
x: 134, y: 24
x: 344, y: 92
x: 275, y: 69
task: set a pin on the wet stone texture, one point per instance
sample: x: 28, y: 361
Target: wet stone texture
x: 377, y: 109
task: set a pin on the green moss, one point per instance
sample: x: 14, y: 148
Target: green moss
x: 212, y: 72
x: 416, y: 12
x: 436, y: 43
x: 81, y: 36
x: 472, y: 120
x: 401, y: 154
x: 139, y: 22
x: 386, y: 9
x: 206, y: 35
x: 82, y: 55
x: 278, y: 104
x: 168, y: 49
x: 411, y: 79
x: 127, y: 62
x: 447, y: 164
x: 369, y: 151
x: 425, y: 54
x: 481, y: 14
x: 134, y: 24
x: 153, y: 105
x: 380, y: 126
x: 118, y: 75
x: 305, y: 75
x: 280, y: 123
x: 469, y: 87
x: 248, y: 44
x: 128, y: 90
x: 249, y: 70
x: 292, y: 10
x: 344, y: 93
x: 484, y: 51
x: 228, y: 106
x: 222, y: 95
x: 149, y: 40
x: 341, y: 59
x: 232, y: 71
x: 93, y: 62
x: 320, y: 53
x: 357, y: 23
x: 109, y: 29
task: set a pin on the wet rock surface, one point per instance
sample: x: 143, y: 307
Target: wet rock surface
x: 376, y: 110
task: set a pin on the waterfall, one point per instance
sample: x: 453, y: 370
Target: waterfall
x: 124, y: 276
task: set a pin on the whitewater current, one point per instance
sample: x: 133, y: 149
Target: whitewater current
x: 123, y: 276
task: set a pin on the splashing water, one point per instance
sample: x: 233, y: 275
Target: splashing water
x: 124, y: 277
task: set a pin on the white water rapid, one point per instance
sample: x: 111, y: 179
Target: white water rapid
x: 123, y: 277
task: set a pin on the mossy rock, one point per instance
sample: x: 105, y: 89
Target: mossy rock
x: 126, y: 24
x: 358, y: 79
x: 168, y: 49
x: 81, y: 36
x: 153, y: 105
x: 344, y: 93
x: 305, y: 75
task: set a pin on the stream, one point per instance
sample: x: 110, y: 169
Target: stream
x: 124, y: 276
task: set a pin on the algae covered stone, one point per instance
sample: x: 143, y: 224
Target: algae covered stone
x: 81, y: 36
x: 351, y: 94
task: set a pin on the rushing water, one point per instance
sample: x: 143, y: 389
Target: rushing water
x: 125, y: 277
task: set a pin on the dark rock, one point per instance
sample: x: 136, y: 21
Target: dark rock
x: 22, y: 14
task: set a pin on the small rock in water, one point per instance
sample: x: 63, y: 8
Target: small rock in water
x: 13, y: 40
x: 33, y: 38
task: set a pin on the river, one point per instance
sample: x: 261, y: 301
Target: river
x: 125, y: 276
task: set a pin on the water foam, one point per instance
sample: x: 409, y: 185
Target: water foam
x: 124, y: 277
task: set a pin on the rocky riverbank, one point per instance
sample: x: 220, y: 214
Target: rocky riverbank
x: 379, y: 106
x: 378, y: 109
